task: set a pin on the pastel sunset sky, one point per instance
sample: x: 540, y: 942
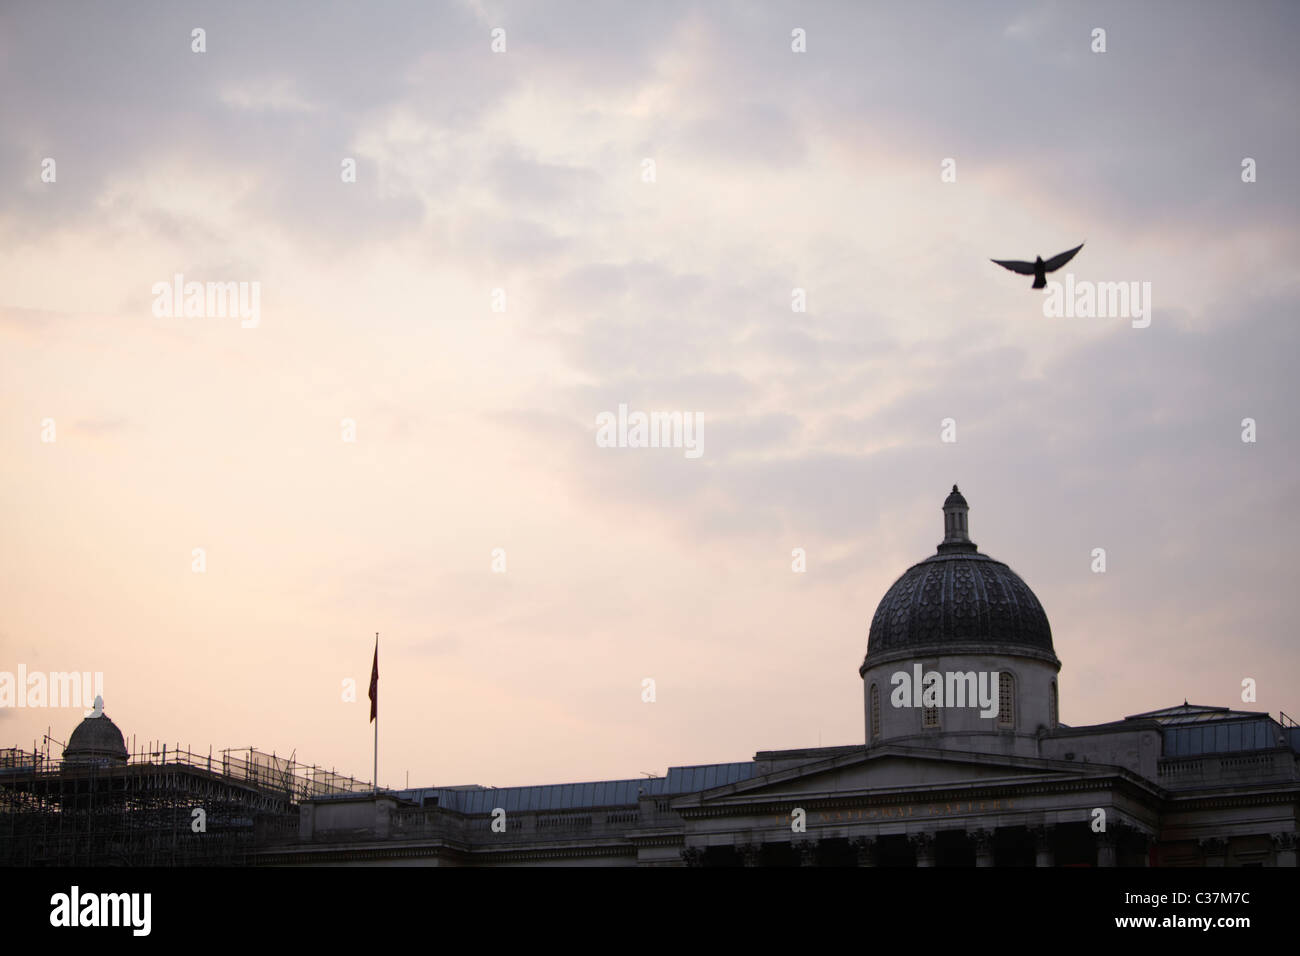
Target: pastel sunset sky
x: 475, y: 429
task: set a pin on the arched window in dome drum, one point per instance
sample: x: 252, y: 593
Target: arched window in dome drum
x: 1052, y: 705
x: 929, y: 718
x: 875, y: 712
x: 1006, y: 700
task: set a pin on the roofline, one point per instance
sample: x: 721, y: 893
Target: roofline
x: 698, y: 798
x: 1203, y: 708
x: 473, y: 788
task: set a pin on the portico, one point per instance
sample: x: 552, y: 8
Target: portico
x: 857, y: 808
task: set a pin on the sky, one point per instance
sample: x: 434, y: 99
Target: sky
x: 615, y: 207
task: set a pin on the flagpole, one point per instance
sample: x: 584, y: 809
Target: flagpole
x: 376, y: 777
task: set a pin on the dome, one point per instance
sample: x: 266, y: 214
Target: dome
x: 96, y: 740
x: 959, y: 597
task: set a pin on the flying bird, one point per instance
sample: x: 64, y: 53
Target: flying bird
x: 1038, y: 268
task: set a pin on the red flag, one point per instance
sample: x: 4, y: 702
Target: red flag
x: 374, y: 685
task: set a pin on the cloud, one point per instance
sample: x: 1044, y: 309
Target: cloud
x: 776, y: 171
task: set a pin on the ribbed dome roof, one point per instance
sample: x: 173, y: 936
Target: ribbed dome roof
x: 958, y: 597
x: 96, y: 739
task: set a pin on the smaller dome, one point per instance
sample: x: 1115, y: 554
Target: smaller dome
x: 955, y: 499
x: 96, y: 740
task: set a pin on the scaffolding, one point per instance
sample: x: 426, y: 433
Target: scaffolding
x: 145, y: 811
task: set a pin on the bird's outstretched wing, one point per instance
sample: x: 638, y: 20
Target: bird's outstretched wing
x: 1054, y: 263
x: 1024, y: 268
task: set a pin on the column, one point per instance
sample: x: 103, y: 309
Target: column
x: 1215, y: 850
x: 1107, y: 848
x: 1284, y: 847
x: 1044, y: 845
x: 923, y: 846
x: 983, y: 840
x: 1143, y: 842
x: 693, y: 856
x: 865, y: 848
x: 750, y: 854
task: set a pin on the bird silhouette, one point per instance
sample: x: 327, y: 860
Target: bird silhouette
x: 1038, y: 268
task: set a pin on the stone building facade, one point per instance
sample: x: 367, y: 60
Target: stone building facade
x: 964, y: 762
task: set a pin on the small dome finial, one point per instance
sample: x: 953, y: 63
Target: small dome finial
x: 955, y: 491
x: 99, y: 707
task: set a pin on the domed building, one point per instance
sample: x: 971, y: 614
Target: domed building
x: 96, y: 741
x: 963, y: 762
x: 954, y: 626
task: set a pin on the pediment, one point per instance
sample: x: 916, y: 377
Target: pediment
x: 894, y: 770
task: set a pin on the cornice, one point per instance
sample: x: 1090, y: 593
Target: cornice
x: 921, y: 652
